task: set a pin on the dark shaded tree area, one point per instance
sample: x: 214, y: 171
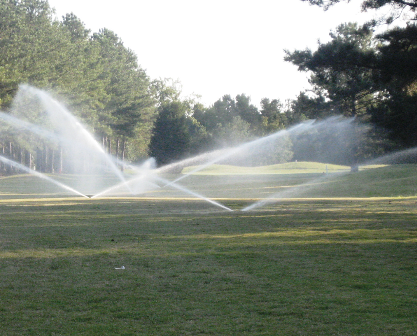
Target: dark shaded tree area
x: 171, y: 138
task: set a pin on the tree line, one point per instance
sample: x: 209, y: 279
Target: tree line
x: 358, y: 73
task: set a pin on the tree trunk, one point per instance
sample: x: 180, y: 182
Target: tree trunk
x: 30, y: 160
x: 123, y: 154
x: 117, y: 148
x: 61, y: 161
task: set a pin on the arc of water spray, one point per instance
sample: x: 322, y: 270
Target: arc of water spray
x: 224, y: 154
x: 143, y: 170
x: 229, y: 152
x: 128, y: 183
x: 46, y: 99
x: 166, y: 183
x: 297, y: 189
x: 397, y: 156
x: 40, y: 175
x: 304, y: 186
x: 234, y: 150
x: 17, y: 123
x: 183, y: 189
x: 44, y: 133
x: 51, y: 105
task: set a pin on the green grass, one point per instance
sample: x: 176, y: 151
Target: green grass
x: 370, y: 181
x: 282, y: 168
x: 314, y: 266
x: 302, y: 267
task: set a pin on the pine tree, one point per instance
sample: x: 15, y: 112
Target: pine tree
x: 170, y: 137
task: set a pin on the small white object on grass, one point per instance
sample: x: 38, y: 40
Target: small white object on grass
x: 120, y: 267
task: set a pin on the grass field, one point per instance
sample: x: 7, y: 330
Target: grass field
x: 337, y: 262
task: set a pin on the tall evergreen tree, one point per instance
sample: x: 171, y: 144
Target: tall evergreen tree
x: 126, y: 88
x: 341, y: 69
x: 170, y: 137
x: 25, y: 45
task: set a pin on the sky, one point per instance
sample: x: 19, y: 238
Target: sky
x: 217, y: 47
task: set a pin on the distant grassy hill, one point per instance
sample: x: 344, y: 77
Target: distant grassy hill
x: 283, y: 168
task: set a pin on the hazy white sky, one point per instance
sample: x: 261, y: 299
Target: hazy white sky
x: 216, y: 47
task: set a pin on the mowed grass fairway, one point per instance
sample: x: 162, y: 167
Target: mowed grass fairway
x: 314, y: 266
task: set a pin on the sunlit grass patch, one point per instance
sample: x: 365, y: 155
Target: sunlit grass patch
x: 283, y: 168
x: 337, y: 234
x: 302, y: 167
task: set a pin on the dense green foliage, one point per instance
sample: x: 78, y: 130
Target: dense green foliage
x: 372, y: 77
x: 170, y: 139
